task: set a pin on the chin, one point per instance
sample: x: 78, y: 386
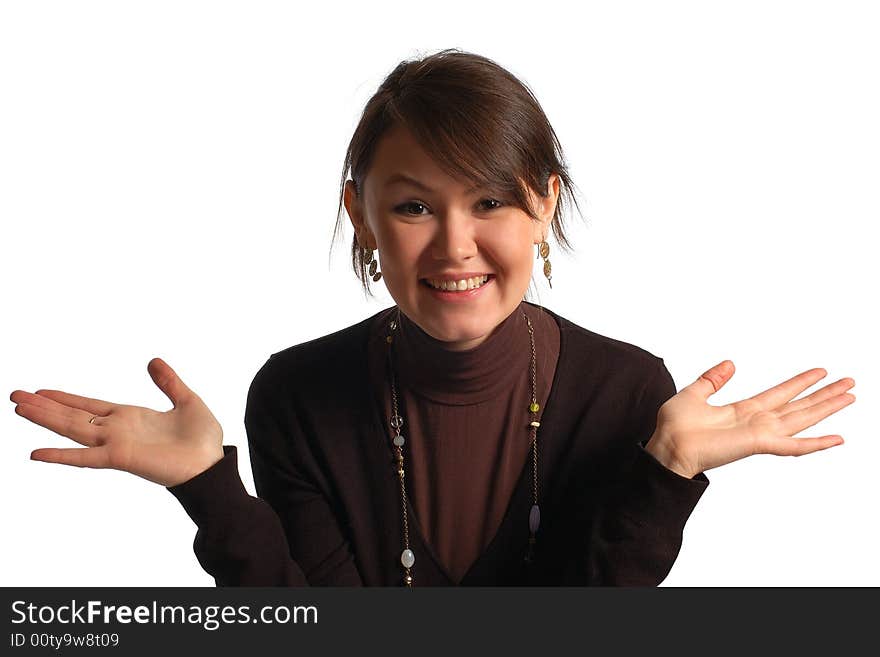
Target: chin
x: 460, y: 329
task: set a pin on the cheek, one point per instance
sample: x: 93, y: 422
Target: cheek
x: 512, y: 251
x: 399, y: 255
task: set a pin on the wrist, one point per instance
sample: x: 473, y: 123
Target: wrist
x: 200, y: 464
x: 662, y: 449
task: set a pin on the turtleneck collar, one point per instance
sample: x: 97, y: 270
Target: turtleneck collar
x: 431, y: 370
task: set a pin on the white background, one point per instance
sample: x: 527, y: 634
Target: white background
x: 168, y: 187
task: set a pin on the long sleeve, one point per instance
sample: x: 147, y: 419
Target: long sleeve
x: 240, y: 540
x: 288, y: 536
x: 639, y: 518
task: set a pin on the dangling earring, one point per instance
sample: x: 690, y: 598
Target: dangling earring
x: 544, y: 251
x: 368, y: 259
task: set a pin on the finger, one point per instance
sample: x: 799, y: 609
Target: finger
x: 800, y: 446
x: 91, y: 457
x: 88, y: 404
x: 168, y: 381
x: 713, y: 379
x: 787, y: 390
x: 829, y: 391
x: 70, y: 423
x: 797, y: 421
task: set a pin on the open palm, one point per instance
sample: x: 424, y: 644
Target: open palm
x: 165, y: 447
x: 697, y: 436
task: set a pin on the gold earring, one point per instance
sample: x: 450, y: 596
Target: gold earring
x: 544, y: 251
x: 368, y: 260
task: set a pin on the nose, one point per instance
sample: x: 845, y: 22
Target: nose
x: 455, y: 237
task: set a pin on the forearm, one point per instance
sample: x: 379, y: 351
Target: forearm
x: 240, y: 539
x: 638, y: 523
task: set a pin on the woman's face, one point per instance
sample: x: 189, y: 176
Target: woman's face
x: 441, y: 231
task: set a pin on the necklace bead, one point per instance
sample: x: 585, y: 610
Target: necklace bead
x: 534, y: 518
x: 407, y: 558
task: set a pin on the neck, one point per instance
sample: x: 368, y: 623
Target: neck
x: 466, y: 374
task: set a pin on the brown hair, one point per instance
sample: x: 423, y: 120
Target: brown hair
x: 476, y: 120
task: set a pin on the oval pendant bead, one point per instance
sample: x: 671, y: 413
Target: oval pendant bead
x: 407, y: 558
x: 534, y: 407
x: 373, y: 267
x: 377, y: 276
x: 398, y: 440
x: 547, y: 268
x: 534, y: 518
x: 544, y: 249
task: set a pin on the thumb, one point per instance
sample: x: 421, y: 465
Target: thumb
x: 168, y: 381
x: 713, y: 379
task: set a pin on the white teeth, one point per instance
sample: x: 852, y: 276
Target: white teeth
x: 463, y: 284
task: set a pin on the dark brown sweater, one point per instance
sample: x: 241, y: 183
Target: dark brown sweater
x: 329, y: 511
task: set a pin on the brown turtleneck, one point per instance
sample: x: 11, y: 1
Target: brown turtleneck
x: 466, y: 424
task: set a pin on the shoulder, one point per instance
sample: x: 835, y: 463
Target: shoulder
x: 610, y: 383
x: 602, y: 377
x: 329, y: 360
x: 585, y: 346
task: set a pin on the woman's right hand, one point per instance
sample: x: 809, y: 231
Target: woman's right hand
x: 166, y: 448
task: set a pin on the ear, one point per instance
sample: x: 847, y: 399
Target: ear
x: 546, y: 207
x: 354, y: 206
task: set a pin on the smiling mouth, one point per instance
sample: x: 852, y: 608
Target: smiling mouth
x: 469, y: 285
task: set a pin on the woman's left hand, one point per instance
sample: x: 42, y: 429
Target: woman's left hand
x: 693, y: 436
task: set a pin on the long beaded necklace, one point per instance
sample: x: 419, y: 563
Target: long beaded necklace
x: 407, y: 558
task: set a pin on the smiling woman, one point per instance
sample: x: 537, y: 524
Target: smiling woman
x: 456, y: 177
x: 405, y: 449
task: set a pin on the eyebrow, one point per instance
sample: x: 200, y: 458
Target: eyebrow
x: 403, y: 178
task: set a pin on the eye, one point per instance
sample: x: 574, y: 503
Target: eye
x: 497, y: 205
x: 408, y: 205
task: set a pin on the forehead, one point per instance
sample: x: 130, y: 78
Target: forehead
x: 399, y: 157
